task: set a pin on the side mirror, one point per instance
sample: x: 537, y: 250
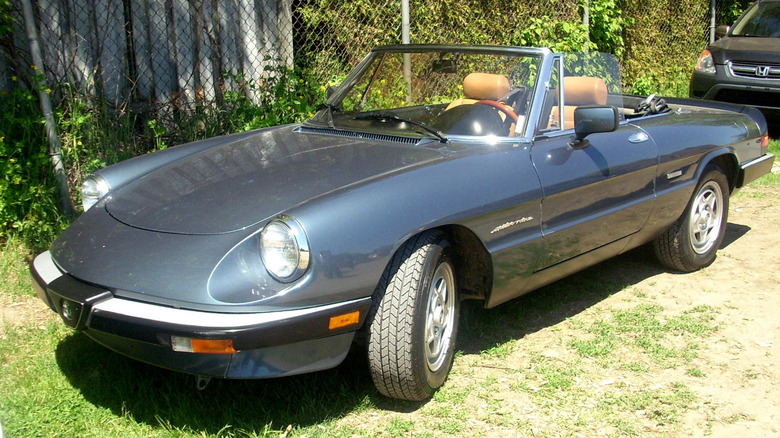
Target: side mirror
x: 592, y: 120
x: 445, y: 66
x: 721, y: 31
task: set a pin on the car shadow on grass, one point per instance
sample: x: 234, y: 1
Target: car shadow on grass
x: 170, y: 400
x: 482, y: 329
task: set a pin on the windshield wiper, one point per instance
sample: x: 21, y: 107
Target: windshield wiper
x: 390, y: 116
x: 330, y: 108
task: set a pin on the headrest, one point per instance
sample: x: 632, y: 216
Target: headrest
x: 485, y: 86
x: 584, y: 90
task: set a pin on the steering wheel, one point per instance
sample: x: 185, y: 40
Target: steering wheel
x: 499, y: 106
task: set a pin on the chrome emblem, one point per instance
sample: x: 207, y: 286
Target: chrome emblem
x: 762, y: 71
x: 503, y: 227
x: 674, y: 174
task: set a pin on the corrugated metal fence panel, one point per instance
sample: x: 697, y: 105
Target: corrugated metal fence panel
x: 110, y: 42
x: 160, y: 51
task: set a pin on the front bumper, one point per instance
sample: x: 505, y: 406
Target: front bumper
x: 267, y: 344
x: 723, y: 87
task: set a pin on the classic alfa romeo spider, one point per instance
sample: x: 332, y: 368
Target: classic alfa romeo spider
x: 431, y: 175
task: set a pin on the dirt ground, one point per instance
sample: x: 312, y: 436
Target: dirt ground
x: 740, y: 395
x: 743, y: 364
x: 742, y: 370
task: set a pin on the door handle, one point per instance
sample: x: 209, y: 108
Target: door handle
x: 639, y: 137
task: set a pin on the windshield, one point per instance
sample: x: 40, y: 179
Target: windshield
x: 436, y: 94
x: 762, y: 20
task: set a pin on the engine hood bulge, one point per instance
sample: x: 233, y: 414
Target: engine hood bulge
x: 236, y: 185
x: 746, y: 49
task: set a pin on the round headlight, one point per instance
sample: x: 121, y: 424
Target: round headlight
x: 94, y: 188
x: 284, y: 249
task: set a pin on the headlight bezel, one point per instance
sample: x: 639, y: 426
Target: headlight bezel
x: 93, y: 189
x: 284, y: 249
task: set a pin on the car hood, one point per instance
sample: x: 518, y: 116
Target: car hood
x: 746, y: 49
x: 238, y: 184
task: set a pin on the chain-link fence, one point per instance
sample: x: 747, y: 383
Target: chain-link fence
x: 331, y: 35
x: 149, y: 55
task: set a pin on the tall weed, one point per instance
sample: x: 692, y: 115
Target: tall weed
x: 28, y: 195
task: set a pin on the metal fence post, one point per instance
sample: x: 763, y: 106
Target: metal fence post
x: 713, y: 13
x: 405, y: 40
x: 48, y: 115
x: 586, y: 19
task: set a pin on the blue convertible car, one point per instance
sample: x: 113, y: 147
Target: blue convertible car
x: 432, y: 175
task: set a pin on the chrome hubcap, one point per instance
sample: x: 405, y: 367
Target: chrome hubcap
x: 440, y: 316
x: 706, y: 218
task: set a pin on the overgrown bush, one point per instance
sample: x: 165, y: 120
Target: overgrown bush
x: 284, y: 96
x: 28, y: 195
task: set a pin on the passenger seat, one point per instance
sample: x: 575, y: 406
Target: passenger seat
x: 578, y: 91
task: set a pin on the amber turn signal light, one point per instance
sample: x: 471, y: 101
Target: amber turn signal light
x: 344, y: 320
x: 205, y: 346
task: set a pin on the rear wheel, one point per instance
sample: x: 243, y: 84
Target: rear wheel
x: 691, y: 243
x: 414, y: 320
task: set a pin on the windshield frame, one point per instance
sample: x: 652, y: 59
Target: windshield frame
x: 526, y: 132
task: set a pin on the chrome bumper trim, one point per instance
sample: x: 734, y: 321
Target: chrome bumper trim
x: 206, y: 320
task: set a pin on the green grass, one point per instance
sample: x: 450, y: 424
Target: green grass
x: 665, y: 341
x: 770, y: 179
x: 15, y: 279
x: 59, y: 383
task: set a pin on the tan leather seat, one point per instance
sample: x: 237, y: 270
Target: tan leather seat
x: 577, y: 91
x: 482, y: 86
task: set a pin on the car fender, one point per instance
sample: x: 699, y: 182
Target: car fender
x: 354, y: 232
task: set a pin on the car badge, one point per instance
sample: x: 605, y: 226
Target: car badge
x: 762, y: 71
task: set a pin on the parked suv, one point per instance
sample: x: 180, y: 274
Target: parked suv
x: 743, y: 66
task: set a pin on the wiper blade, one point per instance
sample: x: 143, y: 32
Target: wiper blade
x: 390, y: 116
x: 330, y: 108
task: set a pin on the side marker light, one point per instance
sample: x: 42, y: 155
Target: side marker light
x: 344, y: 320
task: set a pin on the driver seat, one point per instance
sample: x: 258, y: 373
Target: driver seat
x: 482, y: 86
x: 485, y: 86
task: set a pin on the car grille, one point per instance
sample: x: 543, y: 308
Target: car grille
x: 754, y: 70
x: 749, y: 97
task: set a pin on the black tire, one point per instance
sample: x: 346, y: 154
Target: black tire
x: 691, y: 243
x: 416, y: 299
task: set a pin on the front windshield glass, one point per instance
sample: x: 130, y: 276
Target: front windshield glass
x: 762, y: 20
x: 437, y: 94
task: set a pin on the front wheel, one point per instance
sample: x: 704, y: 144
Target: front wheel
x: 691, y: 243
x: 414, y: 320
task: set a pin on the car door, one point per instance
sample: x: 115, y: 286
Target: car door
x: 593, y: 195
